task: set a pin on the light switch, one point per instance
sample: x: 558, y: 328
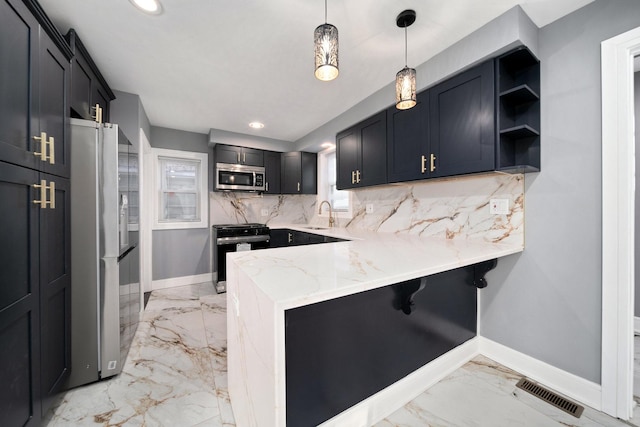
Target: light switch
x: 499, y: 206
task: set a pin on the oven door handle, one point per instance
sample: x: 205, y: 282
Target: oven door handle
x: 242, y: 239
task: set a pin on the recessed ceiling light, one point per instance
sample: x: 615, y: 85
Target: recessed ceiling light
x: 256, y: 125
x: 152, y: 7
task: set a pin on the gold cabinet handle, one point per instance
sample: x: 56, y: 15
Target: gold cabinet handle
x: 353, y: 177
x: 244, y: 157
x: 266, y: 187
x: 357, y: 177
x: 289, y: 238
x: 51, y: 145
x: 238, y: 157
x: 43, y: 194
x: 98, y: 115
x: 43, y: 146
x: 298, y: 187
x: 423, y: 167
x: 52, y: 195
x: 433, y: 163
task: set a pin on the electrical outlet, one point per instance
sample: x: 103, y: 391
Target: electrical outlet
x: 499, y: 206
x: 369, y: 208
x: 264, y: 212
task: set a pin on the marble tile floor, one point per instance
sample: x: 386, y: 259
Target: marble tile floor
x: 175, y: 375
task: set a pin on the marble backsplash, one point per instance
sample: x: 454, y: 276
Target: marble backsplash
x: 453, y: 208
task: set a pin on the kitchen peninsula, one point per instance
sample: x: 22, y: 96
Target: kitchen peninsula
x: 355, y: 294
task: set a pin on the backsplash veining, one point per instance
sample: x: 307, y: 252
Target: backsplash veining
x: 453, y: 208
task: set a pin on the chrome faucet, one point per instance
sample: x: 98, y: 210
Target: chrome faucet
x: 331, y: 220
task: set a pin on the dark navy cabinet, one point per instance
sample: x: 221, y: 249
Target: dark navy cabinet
x: 461, y: 123
x: 299, y: 173
x: 272, y: 171
x: 90, y: 93
x: 34, y: 188
x: 450, y: 131
x: 408, y: 141
x: 238, y: 155
x: 361, y: 153
x: 281, y: 237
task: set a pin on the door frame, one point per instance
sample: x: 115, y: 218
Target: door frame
x: 618, y: 198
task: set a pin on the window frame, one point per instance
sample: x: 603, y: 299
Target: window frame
x: 323, y: 186
x: 202, y: 197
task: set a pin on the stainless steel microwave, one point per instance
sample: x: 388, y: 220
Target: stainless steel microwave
x: 239, y: 177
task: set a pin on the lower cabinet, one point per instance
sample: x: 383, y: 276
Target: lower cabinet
x: 55, y: 290
x: 35, y: 294
x: 281, y: 237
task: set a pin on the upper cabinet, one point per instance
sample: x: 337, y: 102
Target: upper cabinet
x: 90, y: 93
x: 461, y: 124
x: 272, y: 170
x: 299, y: 173
x: 34, y: 125
x: 360, y: 153
x: 449, y: 132
x: 483, y: 119
x: 408, y: 141
x: 518, y: 93
x: 238, y: 155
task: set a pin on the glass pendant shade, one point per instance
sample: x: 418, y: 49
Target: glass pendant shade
x: 405, y: 88
x: 326, y: 52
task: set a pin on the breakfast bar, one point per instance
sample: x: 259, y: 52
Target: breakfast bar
x: 393, y: 306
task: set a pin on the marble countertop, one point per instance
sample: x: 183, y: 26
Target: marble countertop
x: 301, y: 275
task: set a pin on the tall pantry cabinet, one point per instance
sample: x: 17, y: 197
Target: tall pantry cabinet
x: 34, y: 207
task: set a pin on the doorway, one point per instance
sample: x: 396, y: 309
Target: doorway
x: 618, y: 224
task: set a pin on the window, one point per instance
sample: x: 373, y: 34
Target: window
x: 327, y: 189
x: 181, y: 189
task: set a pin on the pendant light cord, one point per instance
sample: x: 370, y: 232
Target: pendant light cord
x: 405, y: 46
x: 325, y: 11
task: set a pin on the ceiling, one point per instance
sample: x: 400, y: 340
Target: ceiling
x: 205, y: 64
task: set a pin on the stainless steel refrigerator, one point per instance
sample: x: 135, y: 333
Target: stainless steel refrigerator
x: 105, y: 285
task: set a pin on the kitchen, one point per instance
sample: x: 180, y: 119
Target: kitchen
x: 560, y: 269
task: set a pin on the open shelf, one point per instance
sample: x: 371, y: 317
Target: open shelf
x: 519, y: 132
x: 518, y: 115
x: 519, y: 95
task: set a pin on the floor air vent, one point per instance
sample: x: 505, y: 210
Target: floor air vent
x: 550, y: 397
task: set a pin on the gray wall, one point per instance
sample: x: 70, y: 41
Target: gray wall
x: 178, y: 253
x: 636, y: 86
x: 546, y: 302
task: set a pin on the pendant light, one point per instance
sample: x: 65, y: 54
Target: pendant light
x: 406, y: 78
x: 325, y: 38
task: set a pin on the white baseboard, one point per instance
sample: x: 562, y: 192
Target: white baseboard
x: 584, y: 391
x: 387, y: 401
x: 636, y: 325
x: 181, y: 281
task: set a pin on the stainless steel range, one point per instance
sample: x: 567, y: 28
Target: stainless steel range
x: 235, y: 238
